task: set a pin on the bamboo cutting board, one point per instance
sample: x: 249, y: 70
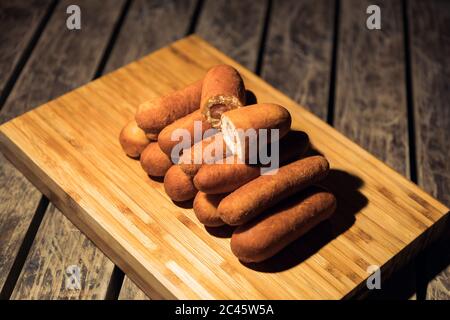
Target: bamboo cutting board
x: 69, y: 149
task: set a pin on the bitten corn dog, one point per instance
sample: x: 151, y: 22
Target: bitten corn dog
x: 258, y: 195
x: 205, y: 208
x: 242, y: 128
x: 152, y: 116
x: 225, y: 177
x: 209, y: 150
x: 178, y: 185
x: 223, y: 90
x: 133, y: 139
x: 187, y: 123
x: 269, y: 233
x: 155, y: 162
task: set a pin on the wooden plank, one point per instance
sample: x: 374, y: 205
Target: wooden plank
x: 162, y: 247
x: 19, y: 22
x: 298, y: 52
x: 214, y: 25
x: 234, y: 27
x: 429, y: 25
x: 370, y: 105
x: 57, y: 246
x: 305, y: 60
x: 62, y: 60
x: 153, y: 25
x: 130, y: 291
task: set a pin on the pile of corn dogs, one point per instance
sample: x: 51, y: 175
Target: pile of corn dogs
x: 270, y: 210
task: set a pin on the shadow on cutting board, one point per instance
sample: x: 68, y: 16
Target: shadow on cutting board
x: 350, y: 201
x: 221, y: 232
x: 188, y: 204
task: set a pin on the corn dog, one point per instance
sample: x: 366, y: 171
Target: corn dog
x: 242, y: 128
x: 205, y: 208
x: 188, y: 123
x: 209, y: 150
x: 152, y: 116
x: 269, y: 233
x: 223, y: 89
x: 178, y: 185
x: 258, y: 195
x: 152, y: 136
x: 155, y: 162
x: 133, y: 139
x: 218, y: 178
x: 225, y: 177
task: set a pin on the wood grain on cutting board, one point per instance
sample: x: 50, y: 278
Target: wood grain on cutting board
x: 69, y: 149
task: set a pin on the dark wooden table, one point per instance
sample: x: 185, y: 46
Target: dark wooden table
x: 386, y: 89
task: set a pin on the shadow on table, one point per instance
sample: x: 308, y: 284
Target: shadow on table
x: 350, y: 201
